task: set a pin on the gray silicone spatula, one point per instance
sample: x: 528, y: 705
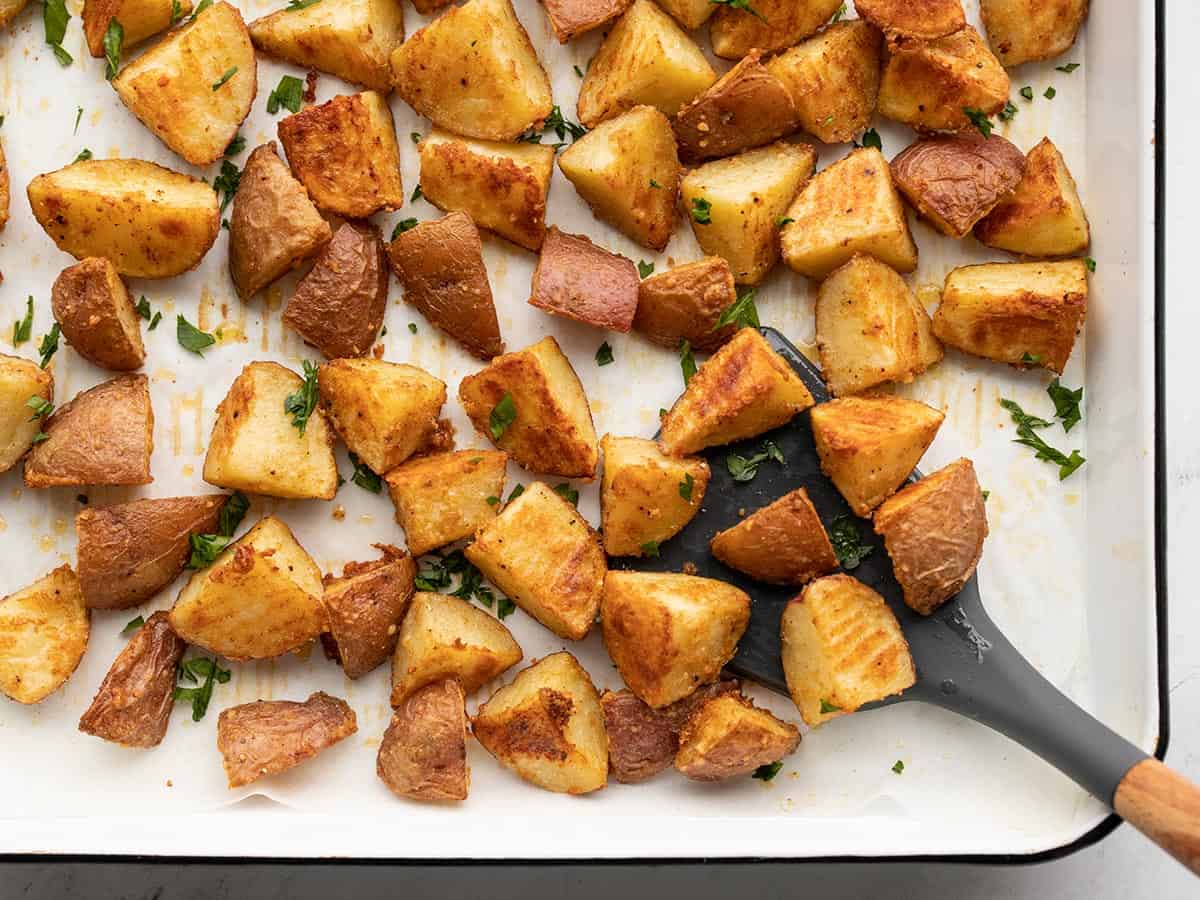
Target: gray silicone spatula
x: 964, y: 663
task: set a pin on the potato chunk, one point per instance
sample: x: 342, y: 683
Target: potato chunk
x: 691, y: 14
x: 842, y: 647
x: 577, y: 280
x: 547, y: 727
x: 669, y: 633
x: 743, y: 390
x: 773, y: 25
x: 44, y: 631
x: 443, y: 636
x: 473, y: 71
x: 1021, y: 31
x: 503, y: 187
x: 1019, y: 313
x: 423, y: 754
x: 646, y: 60
x: 868, y: 446
x: 926, y: 19
x: 782, y: 543
x: 385, y: 412
x: 549, y: 429
x: 182, y: 89
x: 4, y: 185
x: 934, y: 531
x: 627, y: 170
x: 847, y: 208
x: 1043, y: 215
x: 133, y: 704
x: 729, y: 736
x: 20, y: 382
x: 105, y: 435
x: 267, y: 737
x: 736, y: 204
x: 140, y: 19
x: 96, y: 313
x: 365, y: 606
x: 546, y: 557
x: 445, y: 497
x: 260, y: 598
x: 685, y: 304
x: 571, y: 18
x: 646, y: 497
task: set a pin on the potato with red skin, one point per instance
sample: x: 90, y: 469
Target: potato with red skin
x: 571, y: 18
x: 685, y: 303
x: 577, y: 280
x: 773, y: 25
x: 97, y: 316
x: 913, y: 18
x: 782, y: 543
x: 423, y: 754
x: 365, y: 605
x: 729, y: 736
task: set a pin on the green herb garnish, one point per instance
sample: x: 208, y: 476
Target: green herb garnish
x: 236, y: 146
x: 132, y: 625
x: 300, y: 405
x: 871, y: 138
x: 417, y: 194
x: 604, y: 354
x: 770, y: 770
x: 827, y: 707
x: 502, y: 416
x: 1008, y: 112
x: 685, y: 487
x: 517, y: 491
x: 79, y: 116
x: 1027, y: 92
x: 49, y: 345
x: 701, y: 211
x: 402, y: 226
x: 847, y: 542
x: 744, y: 6
x: 41, y: 407
x: 1028, y: 436
x: 226, y: 183
x: 979, y: 119
x: 645, y: 269
x: 83, y: 155
x: 1068, y: 68
x: 55, y: 17
x: 288, y: 94
x: 1066, y: 404
x: 192, y: 670
x: 687, y: 361
x: 745, y: 468
x: 898, y: 767
x: 1089, y: 263
x: 192, y: 338
x: 567, y: 492
x: 1050, y: 93
x: 364, y: 477
x: 650, y: 548
x: 23, y: 328
x: 225, y: 76
x: 741, y: 313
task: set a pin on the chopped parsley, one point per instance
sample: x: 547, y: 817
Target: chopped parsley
x: 415, y: 136
x: 41, y: 407
x: 294, y: 5
x: 654, y: 184
x: 687, y: 361
x: 236, y: 146
x: 685, y: 487
x: 1028, y: 436
x: 79, y: 115
x: 493, y: 501
x: 741, y: 313
x: 770, y: 770
x: 1026, y: 92
x: 784, y: 220
x: 745, y: 468
x: 744, y: 6
x: 364, y: 477
x: 560, y: 126
x: 1030, y: 359
x: 567, y: 492
x: 49, y: 345
x: 417, y: 194
x: 701, y: 211
x: 1068, y: 68
x: 1090, y: 263
x: 23, y: 328
x: 300, y: 405
x: 827, y: 707
x: 645, y: 269
x: 1050, y: 93
x: 192, y: 670
x: 579, y: 71
x: 1008, y: 112
x: 604, y: 354
x: 132, y: 625
x: 176, y: 11
x: 847, y: 542
x: 650, y: 548
x: 143, y: 308
x: 985, y: 494
x: 898, y: 767
x: 838, y: 13
x: 402, y: 226
x: 412, y: 327
x: 226, y: 75
x: 206, y: 547
x: 1066, y: 404
x: 55, y: 17
x: 200, y: 7
x: 83, y: 155
x: 517, y: 491
x: 871, y: 138
x: 502, y: 416
x: 192, y: 338
x: 979, y: 119
x: 227, y: 182
x: 439, y: 574
x: 288, y: 94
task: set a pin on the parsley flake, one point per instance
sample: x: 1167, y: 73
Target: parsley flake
x: 650, y: 548
x: 502, y: 416
x: 770, y: 770
x: 701, y: 211
x: 192, y: 338
x: 228, y: 73
x: 567, y: 492
x: 898, y: 767
x: 685, y: 487
x: 744, y: 6
x: 288, y: 94
x: 1008, y: 112
x: 300, y: 405
x: 741, y: 313
x: 1027, y: 92
x: 192, y: 670
x: 847, y: 542
x: 364, y: 477
x: 1066, y: 404
x: 687, y: 361
x: 55, y: 17
x: 871, y: 138
x: 132, y: 625
x: 49, y: 345
x: 402, y: 226
x: 1028, y: 436
x: 236, y: 146
x: 604, y: 354
x: 1050, y: 93
x: 745, y: 468
x: 645, y: 269
x: 1068, y: 68
x: 227, y: 182
x: 827, y: 707
x: 23, y: 328
x: 979, y: 119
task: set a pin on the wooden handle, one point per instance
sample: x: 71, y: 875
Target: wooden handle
x: 1164, y: 806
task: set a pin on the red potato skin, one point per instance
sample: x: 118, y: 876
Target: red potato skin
x: 364, y: 617
x: 571, y: 18
x: 423, y: 754
x: 578, y: 280
x: 84, y: 299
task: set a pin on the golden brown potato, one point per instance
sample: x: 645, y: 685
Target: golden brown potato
x: 423, y: 754
x: 1021, y: 31
x: 344, y: 153
x: 445, y: 637
x: 773, y: 25
x: 847, y: 208
x: 96, y: 313
x: 140, y: 19
x: 20, y: 382
x: 274, y: 226
x: 1043, y: 216
x: 914, y: 18
x: 645, y: 497
x: 130, y: 551
x: 4, y: 187
x: 743, y: 390
x: 445, y: 497
x: 545, y: 424
x: 260, y: 598
x: 669, y: 633
x: 685, y: 304
x: 577, y: 280
x: 149, y: 221
x: 691, y: 14
x: 729, y: 736
x: 547, y: 727
x: 934, y: 531
x: 44, y: 631
x: 503, y: 187
x: 1020, y: 313
x: 195, y: 87
x: 571, y: 18
x: 133, y: 704
x: 10, y: 9
x: 955, y: 181
x: 782, y: 543
x: 104, y: 435
x: 868, y: 446
x: 351, y: 39
x: 842, y: 647
x: 255, y: 446
x: 473, y: 71
x: 646, y: 60
x: 267, y: 737
x: 365, y: 606
x: 385, y: 412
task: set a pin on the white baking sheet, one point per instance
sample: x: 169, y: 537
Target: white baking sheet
x: 1065, y: 578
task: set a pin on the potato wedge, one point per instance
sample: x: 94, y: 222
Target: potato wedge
x: 1022, y: 31
x: 691, y: 14
x: 669, y: 633
x: 96, y: 313
x: 729, y: 736
x: 773, y: 25
x: 577, y: 280
x: 685, y: 303
x: 423, y: 754
x: 547, y: 727
x: 571, y: 18
x: 365, y: 606
x: 781, y: 543
x: 140, y: 19
x: 926, y: 19
x: 20, y: 381
x: 44, y: 631
x: 149, y: 221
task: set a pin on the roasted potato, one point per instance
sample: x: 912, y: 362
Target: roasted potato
x: 351, y: 39
x: 691, y: 14
x: 149, y: 221
x: 365, y: 606
x: 847, y: 208
x: 260, y: 598
x: 743, y: 390
x: 546, y: 557
x: 445, y: 497
x: 548, y: 727
x: 267, y: 737
x: 1021, y: 31
x: 842, y: 647
x: 926, y: 19
x: 503, y: 187
x: 577, y: 280
x: 685, y: 304
x: 1020, y: 313
x: 96, y: 313
x: 627, y: 170
x: 133, y: 704
x: 782, y: 543
x: 771, y: 26
x: 255, y: 446
x: 729, y: 736
x: 571, y: 18
x: 130, y: 551
x: 1043, y: 215
x: 4, y: 181
x: 473, y: 71
x: 104, y: 435
x: 645, y: 497
x: 868, y: 446
x: 20, y: 382
x: 442, y: 637
x: 423, y: 754
x: 550, y: 429
x: 669, y: 633
x: 44, y: 631
x: 10, y: 9
x: 934, y: 531
x: 646, y: 60
x: 274, y: 226
x: 195, y: 87
x: 140, y: 19
x: 385, y: 412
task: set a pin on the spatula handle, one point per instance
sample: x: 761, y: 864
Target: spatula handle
x: 1164, y: 806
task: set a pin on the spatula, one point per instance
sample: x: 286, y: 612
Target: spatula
x: 964, y: 663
